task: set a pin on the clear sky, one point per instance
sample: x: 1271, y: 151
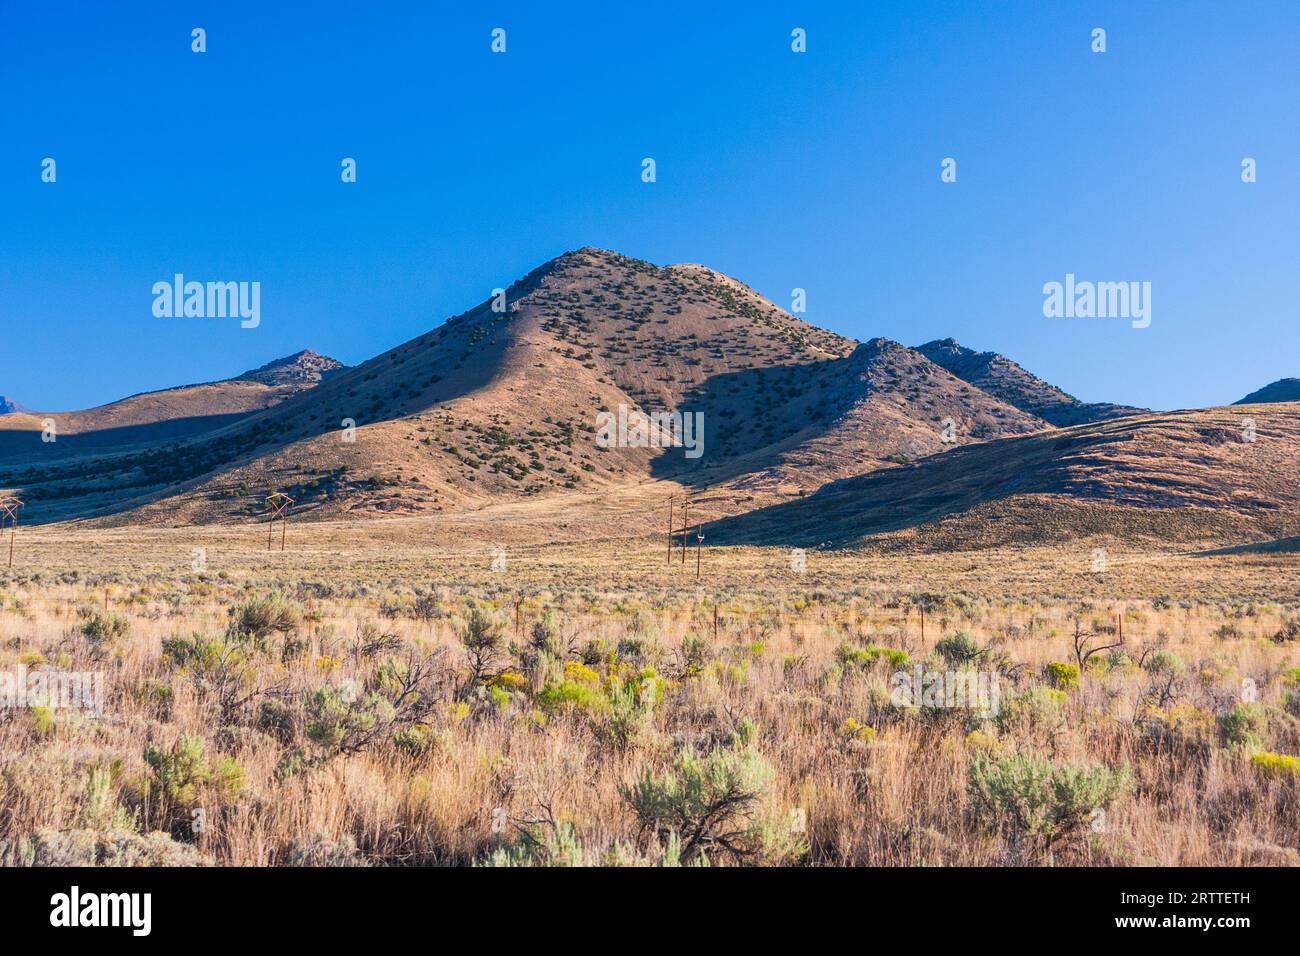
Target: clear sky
x: 818, y: 170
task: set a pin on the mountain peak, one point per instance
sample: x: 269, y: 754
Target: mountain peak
x: 1010, y: 382
x: 1283, y: 390
x: 954, y: 351
x: 9, y: 406
x: 299, y: 368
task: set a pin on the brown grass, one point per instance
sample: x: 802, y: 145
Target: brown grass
x: 548, y: 782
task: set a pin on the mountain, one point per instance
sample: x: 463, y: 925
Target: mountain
x: 1001, y: 377
x: 501, y: 403
x: 171, y: 413
x: 1283, y: 390
x: 882, y: 404
x: 1173, y: 478
x: 9, y: 406
x: 809, y: 438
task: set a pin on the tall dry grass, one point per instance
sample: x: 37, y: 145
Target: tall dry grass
x: 535, y: 762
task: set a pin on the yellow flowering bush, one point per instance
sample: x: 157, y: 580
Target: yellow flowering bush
x: 852, y: 730
x: 1062, y: 676
x: 1278, y: 766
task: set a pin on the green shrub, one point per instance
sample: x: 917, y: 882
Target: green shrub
x: 1035, y: 804
x: 42, y: 720
x: 1164, y: 662
x: 1038, y: 708
x: 101, y: 811
x: 545, y: 635
x: 260, y: 617
x: 851, y: 656
x: 557, y: 694
x: 1243, y: 726
x: 338, y: 723
x: 222, y: 669
x: 556, y: 845
x: 183, y: 772
x: 712, y: 803
x: 631, y: 710
x: 1291, y: 703
x: 483, y: 639
x: 693, y: 657
x: 102, y: 628
x: 1062, y: 676
x: 278, y: 719
x: 418, y: 739
x: 962, y: 650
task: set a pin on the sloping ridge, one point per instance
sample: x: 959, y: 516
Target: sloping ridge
x: 163, y: 414
x: 1283, y: 390
x: 1182, y: 477
x: 1008, y: 381
x: 881, y: 405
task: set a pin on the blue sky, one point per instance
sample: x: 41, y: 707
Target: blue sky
x: 818, y: 170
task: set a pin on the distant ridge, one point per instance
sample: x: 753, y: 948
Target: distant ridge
x: 9, y: 406
x: 1283, y: 390
x: 163, y: 414
x: 1166, y: 477
x: 1010, y: 382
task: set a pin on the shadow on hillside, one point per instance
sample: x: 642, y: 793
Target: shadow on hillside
x: 26, y: 448
x: 750, y: 411
x: 897, y: 498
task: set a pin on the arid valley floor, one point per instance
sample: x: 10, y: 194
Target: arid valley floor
x: 505, y: 687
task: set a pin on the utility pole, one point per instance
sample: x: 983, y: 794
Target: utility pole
x: 670, y: 530
x: 685, y: 510
x: 278, y: 504
x: 10, y: 506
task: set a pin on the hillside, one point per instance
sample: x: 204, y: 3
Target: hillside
x: 495, y: 405
x: 8, y: 406
x: 1283, y: 390
x: 1184, y: 477
x: 149, y: 417
x: 881, y: 405
x: 822, y: 439
x: 1006, y: 380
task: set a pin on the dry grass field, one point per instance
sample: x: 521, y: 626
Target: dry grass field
x: 398, y: 692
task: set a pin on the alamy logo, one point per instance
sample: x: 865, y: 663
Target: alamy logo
x: 103, y: 909
x: 210, y: 300
x: 979, y: 691
x: 633, y: 428
x: 59, y: 690
x: 1102, y: 300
